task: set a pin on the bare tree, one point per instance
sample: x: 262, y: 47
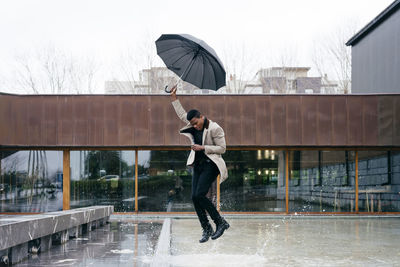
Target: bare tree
x: 136, y: 70
x: 288, y: 57
x: 331, y: 55
x: 51, y: 70
x: 241, y: 65
x: 37, y: 170
x: 284, y: 61
x: 279, y: 78
x: 125, y: 74
x: 82, y: 75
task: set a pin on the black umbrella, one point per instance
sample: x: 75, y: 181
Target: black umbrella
x: 192, y: 60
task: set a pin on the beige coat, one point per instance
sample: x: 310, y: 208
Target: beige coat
x: 213, y: 141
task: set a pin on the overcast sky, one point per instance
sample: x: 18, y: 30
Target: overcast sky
x: 106, y: 29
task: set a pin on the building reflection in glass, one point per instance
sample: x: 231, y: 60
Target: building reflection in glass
x: 322, y: 181
x: 255, y: 182
x: 379, y: 181
x: 30, y: 181
x: 103, y: 178
x: 319, y: 181
x: 164, y: 181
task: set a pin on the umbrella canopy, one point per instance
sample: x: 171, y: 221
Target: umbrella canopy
x: 192, y: 60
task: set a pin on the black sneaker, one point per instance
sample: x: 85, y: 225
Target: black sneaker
x: 207, y: 232
x: 221, y: 227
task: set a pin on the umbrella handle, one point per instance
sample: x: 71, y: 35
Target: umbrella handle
x: 166, y: 89
x: 180, y: 78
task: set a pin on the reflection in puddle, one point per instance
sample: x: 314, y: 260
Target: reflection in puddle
x: 119, y: 243
x: 288, y: 241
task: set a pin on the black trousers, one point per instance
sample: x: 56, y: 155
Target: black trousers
x: 204, y: 174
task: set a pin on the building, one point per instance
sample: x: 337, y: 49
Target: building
x: 376, y: 54
x: 124, y: 87
x: 151, y: 81
x: 286, y: 154
x: 284, y: 80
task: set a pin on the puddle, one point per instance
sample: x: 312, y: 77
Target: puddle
x: 118, y: 243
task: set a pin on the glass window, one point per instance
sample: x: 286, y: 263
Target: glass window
x: 256, y: 181
x: 31, y: 181
x: 321, y: 181
x: 164, y: 181
x: 379, y: 181
x: 103, y: 178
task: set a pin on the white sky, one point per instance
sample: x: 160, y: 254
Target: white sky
x: 106, y: 29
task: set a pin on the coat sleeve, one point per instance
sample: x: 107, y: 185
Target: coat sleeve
x: 218, y: 137
x: 180, y: 111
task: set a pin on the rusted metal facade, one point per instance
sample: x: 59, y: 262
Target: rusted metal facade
x: 248, y: 120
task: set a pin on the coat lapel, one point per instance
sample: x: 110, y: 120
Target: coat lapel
x: 185, y: 133
x: 190, y: 136
x: 205, y: 131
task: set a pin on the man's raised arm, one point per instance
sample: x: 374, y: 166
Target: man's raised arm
x: 180, y: 111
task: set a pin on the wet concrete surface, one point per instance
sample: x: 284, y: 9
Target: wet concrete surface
x: 277, y: 241
x: 119, y: 243
x: 289, y: 242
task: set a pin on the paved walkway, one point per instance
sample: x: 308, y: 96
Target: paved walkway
x: 290, y: 242
x: 267, y: 241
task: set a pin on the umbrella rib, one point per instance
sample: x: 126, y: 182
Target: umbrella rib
x: 182, y: 44
x: 175, y: 47
x: 178, y: 59
x: 190, y: 64
x: 202, y: 78
x: 204, y: 70
x: 212, y: 66
x: 187, y: 71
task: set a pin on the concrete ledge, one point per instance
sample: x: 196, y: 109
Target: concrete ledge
x: 46, y: 229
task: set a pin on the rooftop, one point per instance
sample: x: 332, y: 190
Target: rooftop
x: 374, y: 23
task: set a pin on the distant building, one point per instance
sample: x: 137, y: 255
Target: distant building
x: 275, y: 80
x: 234, y: 85
x: 376, y: 54
x: 284, y: 80
x: 122, y: 87
x: 152, y: 81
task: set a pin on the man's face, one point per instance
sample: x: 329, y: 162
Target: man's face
x: 197, y: 123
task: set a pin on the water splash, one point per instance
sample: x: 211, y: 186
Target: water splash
x: 163, y: 246
x: 81, y: 239
x: 66, y: 260
x: 122, y: 251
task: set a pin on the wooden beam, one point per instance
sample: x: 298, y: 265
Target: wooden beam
x: 356, y: 183
x: 136, y: 181
x: 66, y: 180
x: 287, y: 180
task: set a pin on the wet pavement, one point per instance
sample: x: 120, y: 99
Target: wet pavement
x: 250, y: 241
x: 290, y: 242
x: 119, y: 243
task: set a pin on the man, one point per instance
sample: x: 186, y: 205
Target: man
x: 208, y: 143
